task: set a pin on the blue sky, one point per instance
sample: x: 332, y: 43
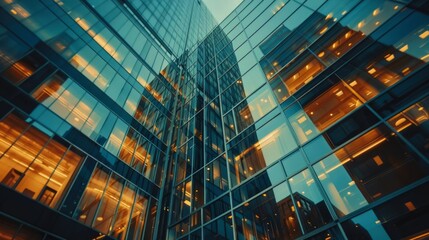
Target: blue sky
x: 221, y: 8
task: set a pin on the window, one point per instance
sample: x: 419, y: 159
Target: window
x: 372, y: 166
x: 22, y: 69
x: 36, y: 164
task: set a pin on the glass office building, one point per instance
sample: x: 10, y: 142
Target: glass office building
x: 143, y: 119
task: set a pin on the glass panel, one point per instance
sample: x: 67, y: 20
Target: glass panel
x: 109, y: 204
x: 333, y: 101
x: 198, y: 190
x: 332, y: 105
x: 61, y: 177
x: 140, y: 154
x: 334, y: 45
x: 413, y: 123
x: 255, y: 107
x: 120, y: 226
x: 68, y: 99
x: 295, y: 75
x: 88, y: 205
x: 128, y: 146
x: 217, y: 208
x: 8, y: 228
x: 266, y: 179
x: 115, y: 140
x: 260, y: 149
x: 294, y: 163
x: 368, y: 16
x: 400, y: 218
x: 81, y: 112
x: 11, y: 48
x: 24, y: 68
x: 11, y: 127
x: 310, y: 206
x: 138, y: 217
x: 271, y: 215
x: 220, y: 229
x: 52, y: 88
x: 95, y: 121
x: 182, y: 201
x: 389, y: 60
x: 217, y: 178
x: 368, y: 168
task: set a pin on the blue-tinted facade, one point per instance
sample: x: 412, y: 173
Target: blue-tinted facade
x: 147, y: 120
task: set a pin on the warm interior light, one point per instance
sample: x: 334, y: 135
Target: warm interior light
x: 404, y: 48
x: 424, y: 34
x: 369, y: 147
x: 410, y: 206
x: 389, y: 57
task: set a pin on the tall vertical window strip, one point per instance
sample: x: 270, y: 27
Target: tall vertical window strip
x: 113, y: 206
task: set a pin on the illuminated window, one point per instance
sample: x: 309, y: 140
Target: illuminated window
x: 330, y: 106
x: 370, y: 167
x: 36, y: 165
x: 413, y: 123
x: 255, y: 107
x: 24, y: 68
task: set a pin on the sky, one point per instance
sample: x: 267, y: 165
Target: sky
x: 221, y: 8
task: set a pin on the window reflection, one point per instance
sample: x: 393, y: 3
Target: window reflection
x: 309, y: 204
x: 388, y: 60
x: 22, y: 69
x: 108, y: 204
x: 295, y: 75
x: 138, y: 217
x: 368, y: 16
x: 332, y: 105
x: 272, y: 215
x: 217, y: 178
x: 260, y: 149
x: 222, y: 228
x: 311, y: 117
x: 255, y: 107
x: 113, y: 206
x: 368, y: 168
x: 402, y: 217
x: 333, y: 47
x: 33, y: 163
x: 413, y: 123
x: 182, y: 201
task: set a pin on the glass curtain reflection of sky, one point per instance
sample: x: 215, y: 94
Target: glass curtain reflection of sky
x: 221, y: 8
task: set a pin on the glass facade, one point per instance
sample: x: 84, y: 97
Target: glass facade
x: 291, y: 119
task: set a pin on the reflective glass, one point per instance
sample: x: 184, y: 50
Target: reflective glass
x: 253, y: 108
x: 271, y: 215
x: 400, y: 218
x: 413, y: 123
x: 370, y: 167
x: 260, y: 149
x: 309, y: 203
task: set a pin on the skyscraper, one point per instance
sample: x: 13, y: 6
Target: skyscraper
x: 140, y: 119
